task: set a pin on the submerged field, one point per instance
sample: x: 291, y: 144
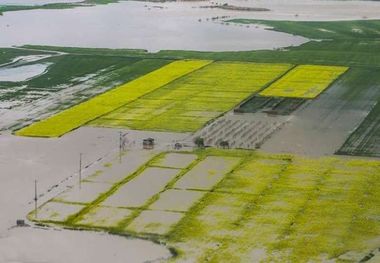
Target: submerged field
x: 240, y: 206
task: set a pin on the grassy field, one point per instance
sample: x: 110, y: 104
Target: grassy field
x: 81, y: 114
x: 304, y: 81
x: 69, y: 80
x: 237, y: 206
x: 72, y: 68
x: 186, y: 104
x: 8, y: 54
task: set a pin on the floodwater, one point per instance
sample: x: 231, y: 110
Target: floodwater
x: 35, y: 2
x: 54, y: 164
x: 141, y: 25
x: 171, y: 26
x: 22, y: 73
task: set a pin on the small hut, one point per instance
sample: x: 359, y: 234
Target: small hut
x: 148, y: 143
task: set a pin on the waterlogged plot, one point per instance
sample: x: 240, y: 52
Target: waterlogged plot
x: 256, y: 207
x: 130, y: 162
x: 85, y: 112
x: 186, y: 104
x: 177, y: 200
x: 304, y: 81
x: 206, y: 174
x: 298, y: 210
x: 56, y: 212
x: 141, y: 188
x: 86, y: 193
x: 253, y: 177
x: 155, y: 222
x: 176, y: 160
x: 104, y: 217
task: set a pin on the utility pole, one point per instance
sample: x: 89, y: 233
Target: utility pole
x: 80, y: 171
x: 35, y: 198
x: 120, y: 145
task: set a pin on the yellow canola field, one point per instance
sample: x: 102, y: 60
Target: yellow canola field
x: 186, y: 104
x: 76, y: 116
x: 304, y: 81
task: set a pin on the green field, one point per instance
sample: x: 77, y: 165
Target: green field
x: 186, y: 104
x: 74, y: 117
x: 236, y: 206
x: 8, y: 54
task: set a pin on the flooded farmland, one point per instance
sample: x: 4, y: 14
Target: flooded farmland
x: 138, y: 25
x: 221, y: 205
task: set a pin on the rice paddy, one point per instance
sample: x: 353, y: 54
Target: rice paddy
x: 262, y: 207
x: 186, y: 104
x: 304, y: 81
x: 74, y: 117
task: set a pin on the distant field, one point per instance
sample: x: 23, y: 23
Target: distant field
x: 81, y: 114
x: 186, y: 104
x: 304, y: 81
x: 235, y: 206
x: 8, y: 54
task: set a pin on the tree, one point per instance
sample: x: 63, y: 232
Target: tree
x: 199, y: 142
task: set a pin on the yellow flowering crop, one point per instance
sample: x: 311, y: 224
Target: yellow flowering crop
x: 304, y: 81
x: 87, y: 111
x: 186, y: 104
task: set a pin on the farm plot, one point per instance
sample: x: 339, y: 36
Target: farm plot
x: 285, y: 209
x: 81, y: 114
x: 141, y: 188
x: 304, y: 81
x: 365, y: 140
x: 241, y: 131
x: 271, y: 105
x: 272, y: 208
x: 108, y: 204
x: 186, y: 104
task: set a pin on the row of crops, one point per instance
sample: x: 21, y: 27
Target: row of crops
x: 186, y: 104
x: 81, y: 114
x: 184, y: 95
x: 234, y: 206
x: 304, y: 81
